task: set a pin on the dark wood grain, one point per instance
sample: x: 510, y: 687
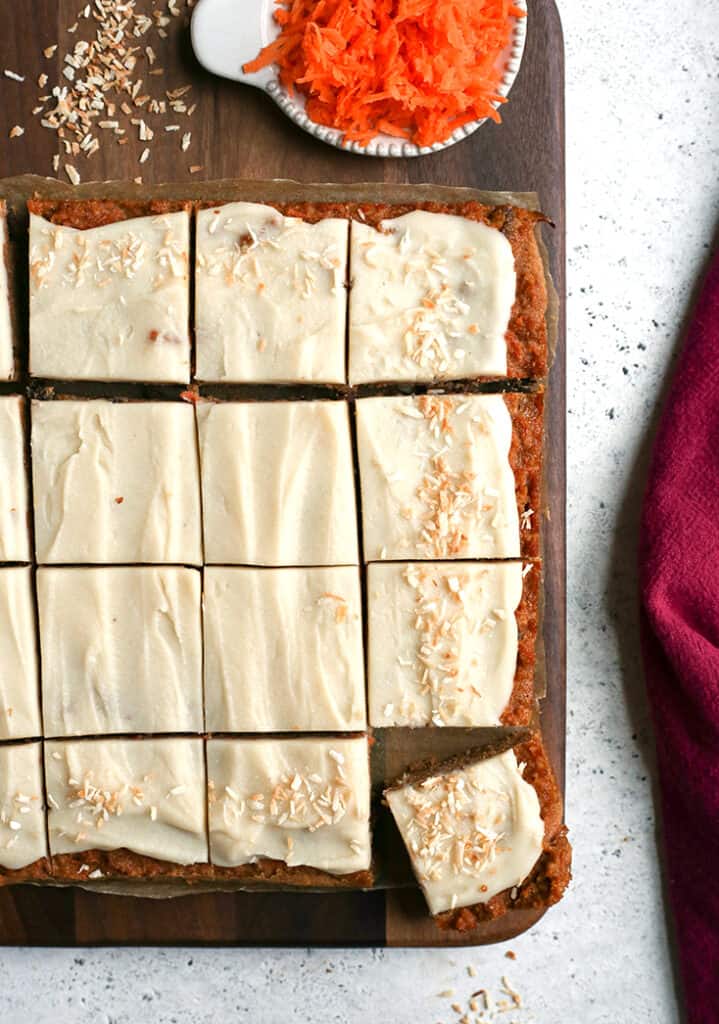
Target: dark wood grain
x: 250, y: 919
x: 240, y: 133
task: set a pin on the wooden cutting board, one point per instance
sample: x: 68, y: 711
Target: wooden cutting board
x: 239, y: 133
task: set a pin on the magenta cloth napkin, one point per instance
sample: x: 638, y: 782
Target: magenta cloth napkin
x: 679, y: 578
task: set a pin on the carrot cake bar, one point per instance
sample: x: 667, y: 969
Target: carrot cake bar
x: 270, y: 296
x: 109, y: 298
x: 115, y: 482
x: 23, y: 843
x: 451, y: 643
x: 283, y: 650
x: 484, y: 832
x: 7, y: 347
x: 118, y: 806
x: 454, y: 476
x: 14, y: 515
x: 121, y: 650
x: 19, y: 695
x: 442, y: 292
x: 431, y: 298
x: 277, y: 483
x: 279, y: 808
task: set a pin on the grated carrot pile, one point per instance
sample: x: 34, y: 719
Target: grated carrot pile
x: 414, y: 69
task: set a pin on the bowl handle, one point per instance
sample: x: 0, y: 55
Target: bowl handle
x: 226, y: 34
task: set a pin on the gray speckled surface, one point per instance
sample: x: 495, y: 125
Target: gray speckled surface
x: 643, y: 125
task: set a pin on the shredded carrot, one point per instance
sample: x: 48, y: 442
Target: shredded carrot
x: 413, y: 69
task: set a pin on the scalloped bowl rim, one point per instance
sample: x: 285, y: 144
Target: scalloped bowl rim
x: 382, y: 145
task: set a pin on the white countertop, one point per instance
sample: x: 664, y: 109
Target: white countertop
x: 643, y: 162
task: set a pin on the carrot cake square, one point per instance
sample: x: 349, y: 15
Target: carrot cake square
x: 19, y: 692
x: 7, y: 336
x: 270, y: 296
x: 115, y: 482
x: 277, y: 483
x: 451, y: 643
x: 294, y: 804
x: 460, y: 478
x: 23, y: 842
x: 14, y: 515
x: 109, y: 292
x: 118, y: 806
x: 442, y: 293
x: 283, y: 650
x: 484, y: 832
x: 121, y: 650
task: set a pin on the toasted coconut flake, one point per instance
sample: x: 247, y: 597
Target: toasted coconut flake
x: 296, y: 800
x: 102, y: 73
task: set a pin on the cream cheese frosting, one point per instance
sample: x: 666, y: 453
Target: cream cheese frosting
x: 436, y: 480
x: 277, y: 483
x: 442, y: 642
x: 431, y: 298
x: 283, y: 650
x: 14, y: 527
x: 116, y: 482
x: 22, y: 813
x: 301, y: 801
x: 112, y: 302
x: 270, y: 298
x: 19, y: 695
x: 7, y: 357
x: 121, y: 650
x: 471, y: 833
x: 146, y: 795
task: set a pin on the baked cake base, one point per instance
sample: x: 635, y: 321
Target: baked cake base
x: 109, y: 865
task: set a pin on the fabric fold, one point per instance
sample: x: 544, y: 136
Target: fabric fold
x: 679, y: 583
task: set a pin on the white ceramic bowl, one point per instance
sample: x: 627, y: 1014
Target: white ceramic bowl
x: 228, y: 33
